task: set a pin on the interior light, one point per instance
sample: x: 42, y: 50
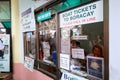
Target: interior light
x: 3, y: 30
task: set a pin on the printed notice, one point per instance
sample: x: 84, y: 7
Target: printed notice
x: 29, y: 63
x: 78, y: 53
x: 65, y: 45
x: 81, y: 37
x: 90, y: 13
x: 28, y: 20
x: 65, y: 33
x: 64, y: 61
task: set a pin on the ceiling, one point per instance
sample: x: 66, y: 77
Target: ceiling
x: 4, y: 10
x: 5, y: 14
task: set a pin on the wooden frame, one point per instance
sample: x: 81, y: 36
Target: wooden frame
x: 106, y: 39
x: 52, y: 69
x: 29, y: 44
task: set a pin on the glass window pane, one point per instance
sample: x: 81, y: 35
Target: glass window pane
x: 47, y: 45
x: 30, y: 44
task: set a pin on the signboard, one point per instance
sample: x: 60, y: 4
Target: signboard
x: 29, y: 63
x: 43, y: 16
x: 95, y: 67
x: 68, y: 76
x: 90, y: 13
x: 64, y: 61
x: 28, y: 20
x: 81, y: 37
x: 4, y: 53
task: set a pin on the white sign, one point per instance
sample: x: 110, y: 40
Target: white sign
x: 65, y: 61
x: 78, y: 53
x: 65, y: 45
x: 81, y: 37
x: 29, y: 63
x: 4, y: 53
x: 68, y: 76
x: 65, y: 33
x: 28, y: 20
x: 90, y: 13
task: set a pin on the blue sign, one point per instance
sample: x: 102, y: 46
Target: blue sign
x: 44, y: 16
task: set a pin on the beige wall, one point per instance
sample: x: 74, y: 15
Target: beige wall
x: 114, y: 39
x: 20, y: 72
x: 15, y: 31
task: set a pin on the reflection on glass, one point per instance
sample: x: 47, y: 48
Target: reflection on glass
x: 47, y: 41
x: 85, y: 40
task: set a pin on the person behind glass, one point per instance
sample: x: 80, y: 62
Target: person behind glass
x: 99, y: 41
x: 75, y: 44
x: 53, y: 48
x: 52, y: 42
x: 1, y: 49
x: 96, y: 51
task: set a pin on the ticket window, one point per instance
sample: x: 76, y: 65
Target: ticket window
x: 47, y: 45
x: 82, y: 41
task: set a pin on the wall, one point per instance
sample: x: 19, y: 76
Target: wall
x: 31, y: 3
x: 23, y: 6
x: 19, y: 71
x: 114, y: 48
x: 15, y: 32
